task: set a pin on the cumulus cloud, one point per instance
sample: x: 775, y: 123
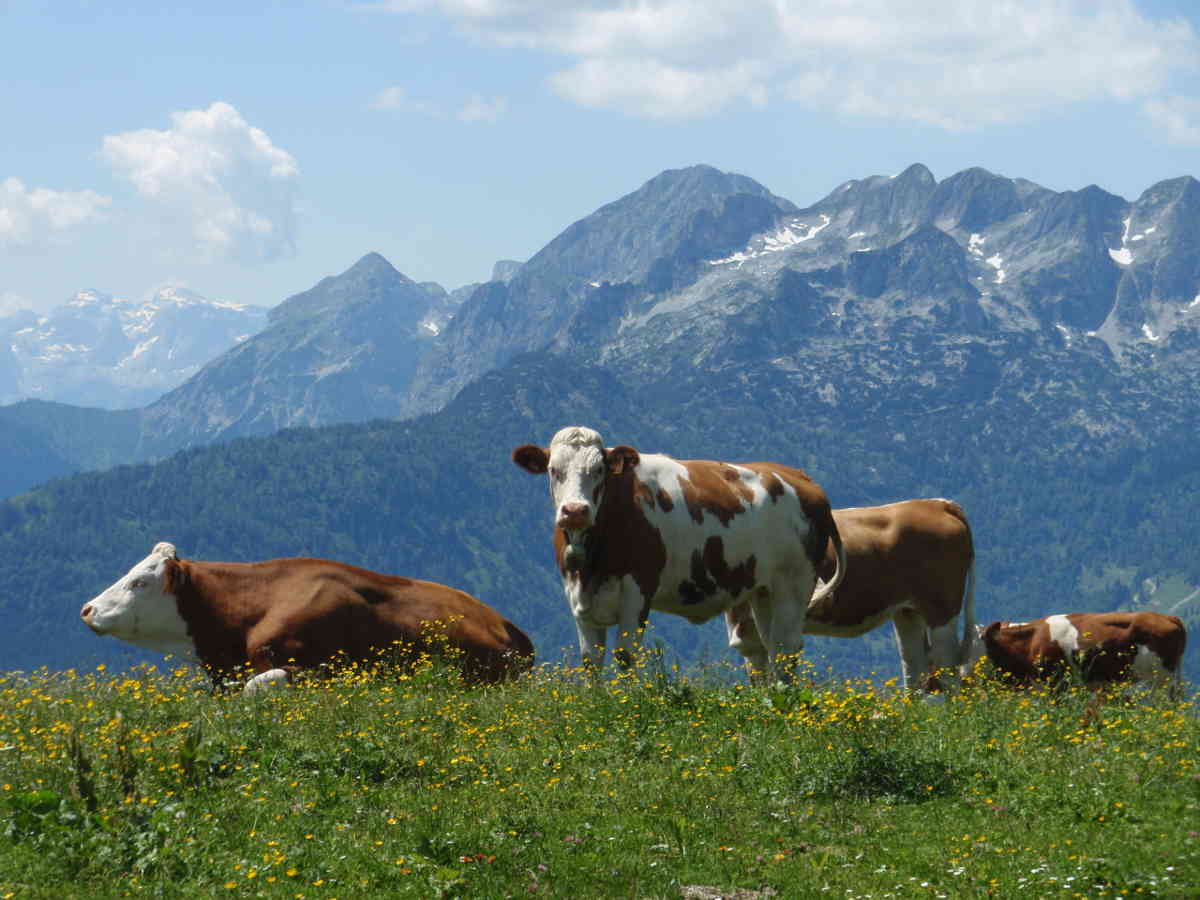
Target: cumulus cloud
x: 955, y: 66
x: 30, y: 218
x: 217, y: 185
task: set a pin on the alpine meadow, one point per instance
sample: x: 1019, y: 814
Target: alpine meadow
x: 1032, y: 355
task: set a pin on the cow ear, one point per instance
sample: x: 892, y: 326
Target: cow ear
x: 621, y: 458
x: 531, y: 458
x: 166, y: 550
x: 989, y: 633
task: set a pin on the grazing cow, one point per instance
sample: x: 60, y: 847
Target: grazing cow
x: 640, y: 531
x: 912, y: 562
x: 283, y: 615
x: 1094, y: 647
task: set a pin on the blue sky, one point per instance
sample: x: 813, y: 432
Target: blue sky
x: 246, y: 151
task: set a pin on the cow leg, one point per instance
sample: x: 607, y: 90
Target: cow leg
x: 593, y: 641
x: 745, y: 639
x: 630, y: 627
x: 910, y: 641
x: 266, y: 646
x: 785, y: 608
x: 945, y: 648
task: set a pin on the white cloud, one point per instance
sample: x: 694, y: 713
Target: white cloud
x: 11, y: 303
x: 396, y: 99
x: 954, y: 65
x: 217, y: 185
x: 478, y: 109
x: 1177, y: 117
x: 30, y: 218
x: 652, y: 89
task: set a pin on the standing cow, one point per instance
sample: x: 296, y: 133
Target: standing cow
x: 640, y: 531
x: 912, y: 562
x: 283, y: 615
x: 1095, y: 648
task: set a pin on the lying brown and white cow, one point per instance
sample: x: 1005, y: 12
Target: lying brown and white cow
x: 912, y: 562
x: 640, y: 531
x: 283, y: 615
x: 1093, y: 647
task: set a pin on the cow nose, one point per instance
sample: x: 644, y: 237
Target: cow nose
x: 573, y: 515
x: 86, y: 612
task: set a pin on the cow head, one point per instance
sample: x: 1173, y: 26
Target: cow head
x: 141, y: 608
x: 579, y: 467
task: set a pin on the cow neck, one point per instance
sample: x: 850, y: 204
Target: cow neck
x: 220, y: 647
x: 622, y: 541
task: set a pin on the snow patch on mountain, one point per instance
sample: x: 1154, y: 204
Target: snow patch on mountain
x: 784, y: 238
x: 1123, y: 255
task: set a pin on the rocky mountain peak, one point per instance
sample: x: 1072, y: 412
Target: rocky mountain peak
x: 371, y: 279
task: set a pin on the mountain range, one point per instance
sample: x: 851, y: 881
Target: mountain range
x: 1034, y: 354
x: 102, y: 351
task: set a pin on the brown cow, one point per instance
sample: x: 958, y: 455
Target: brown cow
x: 912, y: 562
x: 283, y: 615
x: 1094, y: 647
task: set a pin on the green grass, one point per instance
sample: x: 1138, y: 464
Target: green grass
x: 644, y: 785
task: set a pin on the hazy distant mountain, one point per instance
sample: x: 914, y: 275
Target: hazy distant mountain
x: 97, y: 350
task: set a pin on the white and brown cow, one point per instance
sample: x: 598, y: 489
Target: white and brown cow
x: 640, y: 531
x: 912, y: 562
x: 1093, y: 648
x: 283, y: 615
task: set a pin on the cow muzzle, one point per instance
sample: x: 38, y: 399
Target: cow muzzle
x: 574, y: 517
x: 86, y: 614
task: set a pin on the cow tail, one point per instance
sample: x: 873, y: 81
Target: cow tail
x: 839, y: 572
x: 968, y: 616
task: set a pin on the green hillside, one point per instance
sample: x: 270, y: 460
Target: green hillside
x: 438, y: 498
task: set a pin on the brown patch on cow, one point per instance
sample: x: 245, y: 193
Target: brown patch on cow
x: 300, y: 613
x: 915, y: 553
x: 714, y: 488
x: 642, y: 494
x: 665, y: 503
x: 710, y: 572
x: 772, y: 485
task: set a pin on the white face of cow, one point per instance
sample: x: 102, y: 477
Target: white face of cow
x: 577, y: 472
x: 139, y: 609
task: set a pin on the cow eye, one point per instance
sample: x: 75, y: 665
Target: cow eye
x: 136, y: 583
